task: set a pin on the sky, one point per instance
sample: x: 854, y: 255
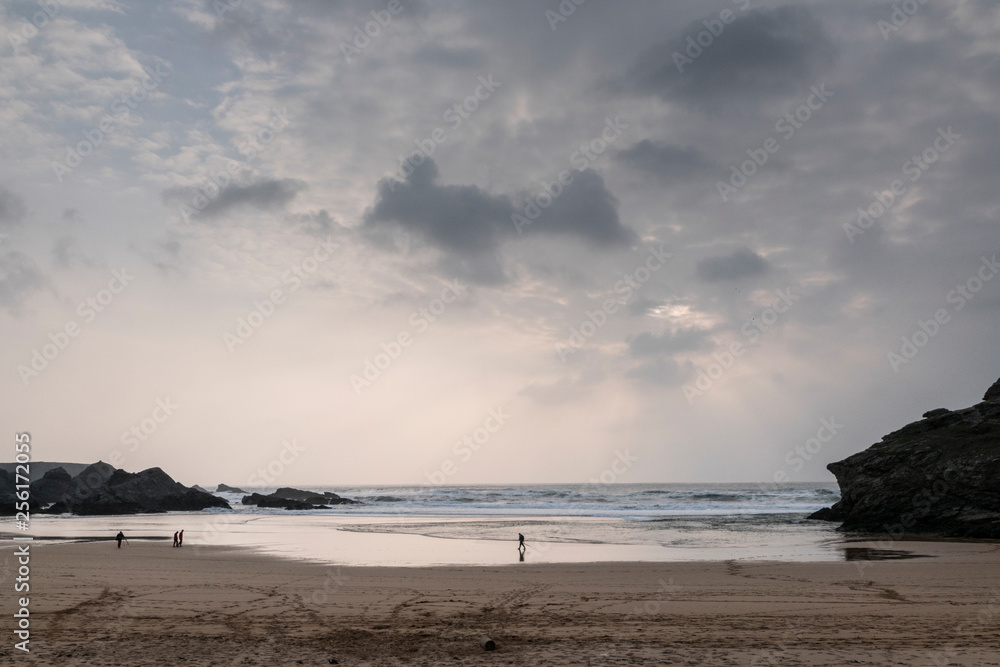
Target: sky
x: 425, y: 242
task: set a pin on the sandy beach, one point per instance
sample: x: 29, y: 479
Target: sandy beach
x: 93, y: 604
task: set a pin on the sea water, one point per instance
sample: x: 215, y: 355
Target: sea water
x: 479, y: 525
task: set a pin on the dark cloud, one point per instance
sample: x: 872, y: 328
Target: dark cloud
x: 742, y: 263
x: 67, y: 253
x: 269, y: 195
x: 587, y: 209
x: 12, y: 208
x: 471, y: 224
x: 650, y: 344
x: 19, y: 277
x: 460, y: 218
x: 667, y: 162
x: 763, y: 53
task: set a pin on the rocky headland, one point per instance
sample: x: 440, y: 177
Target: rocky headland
x: 101, y: 488
x: 939, y: 475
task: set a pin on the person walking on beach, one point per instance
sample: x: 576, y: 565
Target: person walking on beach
x: 176, y: 543
x: 120, y: 536
x: 520, y: 546
x: 180, y: 539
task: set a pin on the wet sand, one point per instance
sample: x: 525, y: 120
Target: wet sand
x: 149, y: 603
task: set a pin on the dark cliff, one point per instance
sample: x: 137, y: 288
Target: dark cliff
x: 939, y: 475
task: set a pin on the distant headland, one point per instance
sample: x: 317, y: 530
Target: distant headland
x: 101, y: 489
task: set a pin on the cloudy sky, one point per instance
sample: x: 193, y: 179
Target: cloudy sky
x: 423, y: 240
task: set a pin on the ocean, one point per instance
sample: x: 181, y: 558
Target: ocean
x: 479, y: 525
x: 627, y: 501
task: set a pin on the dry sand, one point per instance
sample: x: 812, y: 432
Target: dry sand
x: 151, y: 604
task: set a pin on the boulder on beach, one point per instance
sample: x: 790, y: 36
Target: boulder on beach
x: 290, y: 498
x: 289, y: 504
x: 939, y: 475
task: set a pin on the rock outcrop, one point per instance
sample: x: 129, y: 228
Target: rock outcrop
x: 296, y: 499
x: 51, y: 487
x: 8, y: 495
x: 939, y: 475
x: 103, y: 489
x: 229, y: 489
x: 92, y: 477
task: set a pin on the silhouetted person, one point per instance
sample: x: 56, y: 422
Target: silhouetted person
x: 180, y: 539
x: 176, y: 541
x: 520, y: 546
x: 120, y: 536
